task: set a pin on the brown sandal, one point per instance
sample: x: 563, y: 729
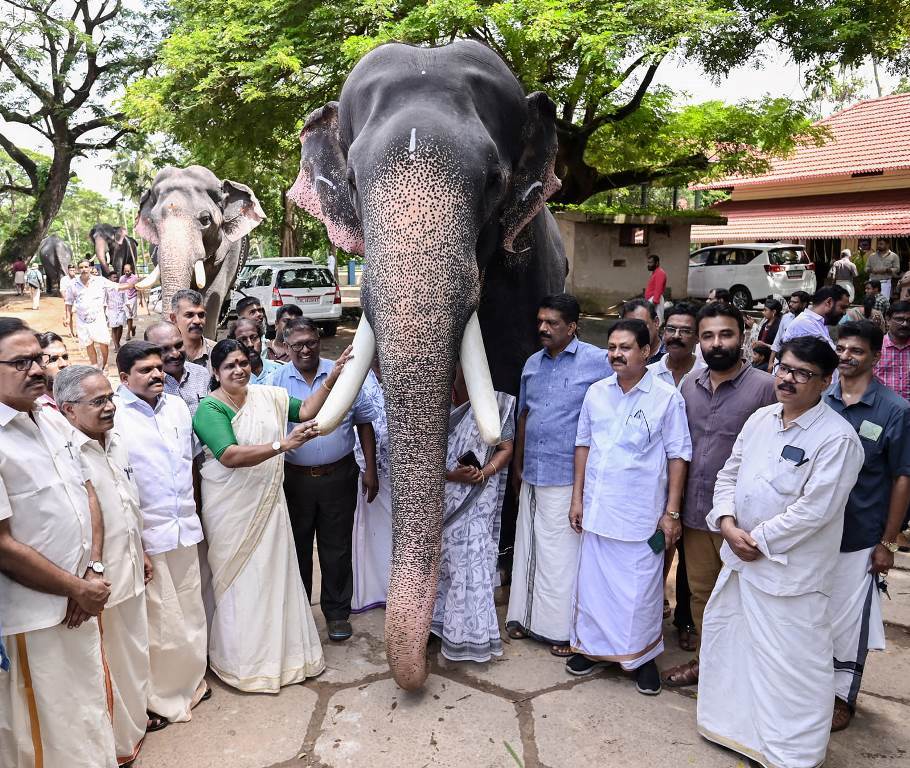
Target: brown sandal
x: 517, y: 633
x: 842, y: 715
x: 687, y: 638
x: 563, y: 651
x: 682, y: 675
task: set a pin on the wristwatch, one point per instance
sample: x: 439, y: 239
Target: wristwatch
x: 276, y: 446
x: 97, y: 566
x: 891, y: 546
x: 672, y: 515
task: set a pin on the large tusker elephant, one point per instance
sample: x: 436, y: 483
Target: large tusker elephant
x: 113, y: 247
x: 199, y: 225
x: 436, y: 166
x: 55, y: 257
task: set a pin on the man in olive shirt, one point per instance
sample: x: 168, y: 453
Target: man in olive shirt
x: 719, y: 400
x: 883, y: 264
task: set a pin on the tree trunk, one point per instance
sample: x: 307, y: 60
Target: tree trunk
x: 24, y: 242
x: 577, y: 177
x: 288, y: 235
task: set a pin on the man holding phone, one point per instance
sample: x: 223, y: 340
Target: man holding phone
x: 631, y: 455
x: 766, y: 680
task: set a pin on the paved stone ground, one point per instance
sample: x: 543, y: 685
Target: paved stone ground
x: 519, y: 710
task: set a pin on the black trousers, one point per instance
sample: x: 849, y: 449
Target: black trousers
x: 324, y: 507
x: 682, y: 614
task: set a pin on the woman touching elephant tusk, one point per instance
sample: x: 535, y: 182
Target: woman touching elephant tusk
x: 245, y: 516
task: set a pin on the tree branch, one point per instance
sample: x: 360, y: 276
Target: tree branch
x: 633, y: 176
x: 17, y: 188
x: 629, y: 107
x: 25, y: 162
x: 97, y: 122
x: 111, y: 143
x: 24, y: 77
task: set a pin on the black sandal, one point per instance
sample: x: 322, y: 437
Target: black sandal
x: 155, y: 722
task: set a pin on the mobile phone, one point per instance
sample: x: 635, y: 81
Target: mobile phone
x: 794, y: 454
x: 469, y: 459
x: 658, y: 542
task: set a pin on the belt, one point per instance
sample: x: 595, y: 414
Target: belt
x: 321, y: 470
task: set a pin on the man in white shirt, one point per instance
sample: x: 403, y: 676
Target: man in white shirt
x: 797, y: 304
x: 53, y: 705
x: 766, y: 681
x: 86, y: 298
x: 161, y: 453
x: 86, y: 400
x: 632, y: 448
x: 829, y: 305
x: 679, y: 340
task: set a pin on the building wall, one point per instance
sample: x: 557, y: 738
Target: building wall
x: 823, y: 186
x: 603, y: 274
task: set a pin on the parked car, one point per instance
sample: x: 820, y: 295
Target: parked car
x: 299, y: 281
x: 751, y: 271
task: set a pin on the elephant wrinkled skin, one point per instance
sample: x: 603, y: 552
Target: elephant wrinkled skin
x: 113, y: 248
x: 199, y: 225
x: 56, y: 257
x: 436, y: 166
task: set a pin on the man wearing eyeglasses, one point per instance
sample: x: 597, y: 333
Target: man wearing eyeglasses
x: 56, y: 358
x: 320, y: 480
x: 766, y: 679
x: 52, y: 583
x: 87, y: 401
x: 893, y: 366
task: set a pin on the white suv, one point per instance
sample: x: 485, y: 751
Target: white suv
x: 299, y: 281
x: 751, y: 271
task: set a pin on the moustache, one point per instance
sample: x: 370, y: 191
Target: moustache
x: 850, y: 362
x: 675, y: 343
x: 785, y: 387
x: 195, y: 327
x: 617, y: 360
x: 543, y: 335
x: 154, y: 382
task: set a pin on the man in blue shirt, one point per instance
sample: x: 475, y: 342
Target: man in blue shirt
x: 320, y: 480
x: 874, y: 512
x: 553, y: 386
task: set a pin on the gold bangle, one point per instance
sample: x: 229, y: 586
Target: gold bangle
x: 325, y: 384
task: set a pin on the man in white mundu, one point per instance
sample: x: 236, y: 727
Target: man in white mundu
x: 85, y: 398
x: 766, y: 680
x: 53, y: 705
x: 161, y: 453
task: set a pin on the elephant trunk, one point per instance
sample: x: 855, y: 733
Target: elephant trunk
x: 180, y: 250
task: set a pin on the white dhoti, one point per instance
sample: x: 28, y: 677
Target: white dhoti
x: 263, y: 633
x: 847, y: 285
x: 855, y: 611
x: 766, y: 685
x: 94, y: 332
x: 619, y: 599
x: 126, y: 650
x: 372, y: 548
x: 177, y: 634
x: 54, y: 705
x: 544, y: 564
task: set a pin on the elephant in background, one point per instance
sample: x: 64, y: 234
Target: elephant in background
x: 436, y: 166
x: 56, y: 257
x: 113, y: 247
x: 199, y: 226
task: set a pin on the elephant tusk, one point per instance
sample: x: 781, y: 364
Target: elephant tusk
x: 477, y: 379
x: 350, y: 380
x: 150, y: 280
x: 199, y: 274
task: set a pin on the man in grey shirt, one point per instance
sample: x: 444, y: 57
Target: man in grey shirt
x: 181, y: 377
x: 884, y: 265
x: 718, y: 402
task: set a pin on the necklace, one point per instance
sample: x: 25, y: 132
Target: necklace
x: 231, y: 399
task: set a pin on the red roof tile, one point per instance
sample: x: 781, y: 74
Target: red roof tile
x: 857, y: 214
x: 870, y: 136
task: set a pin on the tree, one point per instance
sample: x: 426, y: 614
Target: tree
x: 236, y: 80
x: 61, y: 64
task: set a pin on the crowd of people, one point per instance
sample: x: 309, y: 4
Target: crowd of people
x: 166, y: 527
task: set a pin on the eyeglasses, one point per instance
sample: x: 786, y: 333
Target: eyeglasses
x: 800, y: 375
x: 23, y: 364
x: 48, y: 359
x: 300, y: 345
x: 672, y: 330
x: 247, y: 341
x: 97, y: 402
x: 900, y: 320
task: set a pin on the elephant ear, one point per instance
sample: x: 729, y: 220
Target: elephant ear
x: 241, y: 209
x: 143, y: 225
x: 321, y: 188
x: 533, y: 179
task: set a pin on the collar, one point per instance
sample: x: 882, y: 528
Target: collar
x: 7, y: 414
x: 571, y: 348
x: 325, y: 367
x: 703, y: 376
x: 126, y: 394
x: 644, y: 384
x: 891, y: 343
x: 868, y: 397
x: 804, y: 420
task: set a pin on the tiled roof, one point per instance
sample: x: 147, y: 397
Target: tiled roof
x: 857, y: 214
x: 870, y: 136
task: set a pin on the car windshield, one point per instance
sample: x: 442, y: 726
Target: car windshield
x: 786, y: 256
x: 305, y: 278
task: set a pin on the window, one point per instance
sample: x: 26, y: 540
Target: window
x: 785, y: 256
x: 744, y: 256
x: 305, y: 278
x: 263, y: 277
x: 632, y: 236
x: 699, y: 258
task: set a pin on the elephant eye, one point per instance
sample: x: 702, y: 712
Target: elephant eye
x: 205, y: 219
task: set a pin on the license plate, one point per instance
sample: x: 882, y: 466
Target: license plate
x: 794, y: 273
x: 306, y: 299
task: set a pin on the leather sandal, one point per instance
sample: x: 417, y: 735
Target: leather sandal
x: 842, y: 715
x: 517, y: 633
x: 682, y: 675
x: 687, y: 638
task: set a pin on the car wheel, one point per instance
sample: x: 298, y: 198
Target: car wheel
x: 329, y: 329
x: 741, y: 297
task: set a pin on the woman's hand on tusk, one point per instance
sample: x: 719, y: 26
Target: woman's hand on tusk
x: 340, y: 363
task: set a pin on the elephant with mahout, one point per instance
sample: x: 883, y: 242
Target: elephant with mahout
x: 199, y: 225
x: 435, y: 166
x: 113, y: 247
x: 56, y: 257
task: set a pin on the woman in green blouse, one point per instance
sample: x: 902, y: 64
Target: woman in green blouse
x: 262, y: 635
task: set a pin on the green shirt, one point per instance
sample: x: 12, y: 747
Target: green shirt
x: 212, y: 423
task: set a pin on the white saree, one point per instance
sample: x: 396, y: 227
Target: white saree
x: 263, y: 635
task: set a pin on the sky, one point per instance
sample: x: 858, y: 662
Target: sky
x: 776, y: 77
